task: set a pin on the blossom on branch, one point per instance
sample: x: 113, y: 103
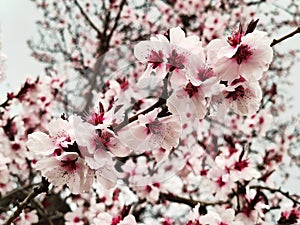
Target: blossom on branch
x: 244, y: 53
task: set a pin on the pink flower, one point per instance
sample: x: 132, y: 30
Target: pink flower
x: 61, y: 161
x: 243, y: 97
x: 67, y: 169
x: 101, y: 162
x: 226, y: 217
x: 99, y: 135
x: 245, y: 53
x: 61, y: 135
x: 193, y: 100
x: 222, y: 183
x: 106, y: 219
x: 151, y: 132
x: 75, y: 217
x: 253, y: 210
x: 174, y: 53
x: 27, y: 218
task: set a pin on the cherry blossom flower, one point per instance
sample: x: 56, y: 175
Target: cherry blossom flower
x: 67, y: 169
x: 243, y: 97
x: 27, y: 218
x: 226, y: 217
x: 222, y: 183
x: 60, y: 156
x: 101, y: 162
x: 193, y: 100
x: 245, y: 53
x: 75, y: 217
x: 150, y: 132
x: 252, y: 209
x: 106, y: 219
x: 176, y: 54
x: 60, y: 136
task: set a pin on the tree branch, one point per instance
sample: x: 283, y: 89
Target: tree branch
x: 116, y: 21
x: 190, y: 202
x: 160, y: 102
x: 276, y: 41
x: 87, y: 18
x: 43, y: 187
x: 284, y: 193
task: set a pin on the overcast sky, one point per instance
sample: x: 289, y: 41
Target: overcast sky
x: 17, y: 25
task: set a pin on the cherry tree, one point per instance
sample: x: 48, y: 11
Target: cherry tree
x: 153, y: 112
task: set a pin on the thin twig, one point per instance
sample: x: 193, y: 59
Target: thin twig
x: 190, y: 202
x: 160, y: 102
x: 87, y: 18
x: 14, y: 192
x: 43, y: 187
x: 116, y: 21
x: 276, y: 41
x: 284, y: 193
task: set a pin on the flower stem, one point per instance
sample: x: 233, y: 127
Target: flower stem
x: 276, y: 41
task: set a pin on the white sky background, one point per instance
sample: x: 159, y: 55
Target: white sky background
x: 17, y: 25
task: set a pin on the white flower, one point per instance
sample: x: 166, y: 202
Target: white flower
x: 150, y: 132
x: 226, y: 217
x: 178, y: 54
x: 243, y: 54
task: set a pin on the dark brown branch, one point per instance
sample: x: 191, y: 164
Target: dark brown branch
x: 87, y: 18
x: 284, y: 193
x: 256, y: 2
x: 190, y: 202
x: 276, y: 41
x: 159, y: 103
x: 43, y: 187
x: 116, y: 21
x: 104, y: 43
x: 6, y: 199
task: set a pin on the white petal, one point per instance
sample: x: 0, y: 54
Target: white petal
x: 40, y: 143
x: 107, y: 177
x: 176, y: 35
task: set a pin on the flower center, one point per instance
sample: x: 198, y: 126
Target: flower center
x: 190, y: 89
x: 176, y: 61
x: 205, y: 73
x: 241, y: 165
x: 220, y: 182
x: 239, y: 92
x: 156, y: 58
x: 154, y: 127
x: 236, y: 37
x: 116, y: 220
x: 243, y: 53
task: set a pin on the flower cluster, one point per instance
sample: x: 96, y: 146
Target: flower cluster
x: 222, y: 75
x: 186, y: 133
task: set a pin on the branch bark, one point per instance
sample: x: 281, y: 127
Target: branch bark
x: 284, y: 193
x: 87, y: 18
x: 190, y: 202
x: 276, y: 41
x: 43, y: 187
